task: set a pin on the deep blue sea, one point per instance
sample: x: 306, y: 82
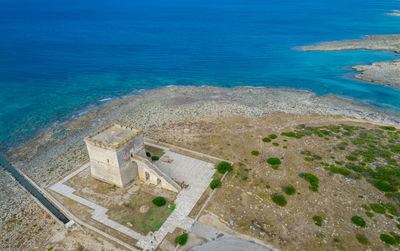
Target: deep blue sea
x: 57, y: 58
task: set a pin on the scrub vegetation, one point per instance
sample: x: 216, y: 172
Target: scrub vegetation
x: 279, y: 199
x: 319, y: 186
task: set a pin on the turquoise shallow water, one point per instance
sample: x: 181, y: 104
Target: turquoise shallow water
x: 59, y: 58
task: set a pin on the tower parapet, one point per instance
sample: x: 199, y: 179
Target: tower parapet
x: 110, y: 149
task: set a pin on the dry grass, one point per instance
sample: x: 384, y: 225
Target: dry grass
x: 148, y: 220
x: 244, y: 197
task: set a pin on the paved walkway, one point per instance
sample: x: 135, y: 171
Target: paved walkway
x: 219, y: 240
x: 231, y: 244
x: 208, y: 232
x: 99, y: 212
x: 193, y: 172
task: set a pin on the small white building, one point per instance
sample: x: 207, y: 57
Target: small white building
x: 117, y: 156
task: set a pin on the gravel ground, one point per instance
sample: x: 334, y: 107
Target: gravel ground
x: 49, y: 157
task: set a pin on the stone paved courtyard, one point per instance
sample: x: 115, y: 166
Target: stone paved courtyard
x: 195, y: 173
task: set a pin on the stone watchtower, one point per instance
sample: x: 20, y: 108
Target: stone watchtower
x: 111, y: 149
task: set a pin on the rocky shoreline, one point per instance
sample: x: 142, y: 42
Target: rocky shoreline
x: 370, y: 42
x: 52, y: 155
x: 383, y: 73
x: 42, y: 158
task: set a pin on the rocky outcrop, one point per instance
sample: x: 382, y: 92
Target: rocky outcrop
x: 382, y: 73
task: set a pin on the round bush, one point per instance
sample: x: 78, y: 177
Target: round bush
x: 154, y: 158
x: 362, y: 239
x: 215, y: 184
x: 266, y: 139
x: 274, y: 161
x: 358, y: 221
x: 159, y: 201
x: 272, y: 136
x: 148, y: 154
x: 279, y: 199
x: 224, y: 167
x: 182, y: 239
x: 289, y: 190
x: 387, y: 239
x: 317, y: 220
x: 255, y: 153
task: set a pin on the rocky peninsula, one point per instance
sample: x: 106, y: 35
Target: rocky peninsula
x: 61, y: 149
x: 383, y: 73
x: 395, y: 13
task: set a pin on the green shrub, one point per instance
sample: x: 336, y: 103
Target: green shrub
x: 224, y: 167
x: 159, y: 201
x: 377, y: 208
x: 391, y: 209
x: 289, y: 190
x: 148, y: 154
x: 255, y: 153
x: 384, y: 186
x: 289, y: 134
x: 182, y: 239
x: 313, y: 180
x: 351, y: 158
x: 272, y: 136
x: 358, y: 221
x: 388, y: 128
x: 266, y: 139
x: 339, y: 170
x: 155, y: 158
x: 215, y: 184
x: 113, y: 187
x: 274, y: 161
x: 387, y: 239
x: 362, y: 239
x: 389, y: 216
x: 279, y: 199
x: 369, y: 214
x: 308, y: 158
x: 396, y: 237
x: 275, y: 144
x: 317, y: 220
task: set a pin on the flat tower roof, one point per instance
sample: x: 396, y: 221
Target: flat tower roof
x: 113, y: 135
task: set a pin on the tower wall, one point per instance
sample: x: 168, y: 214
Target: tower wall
x: 112, y: 164
x: 104, y: 164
